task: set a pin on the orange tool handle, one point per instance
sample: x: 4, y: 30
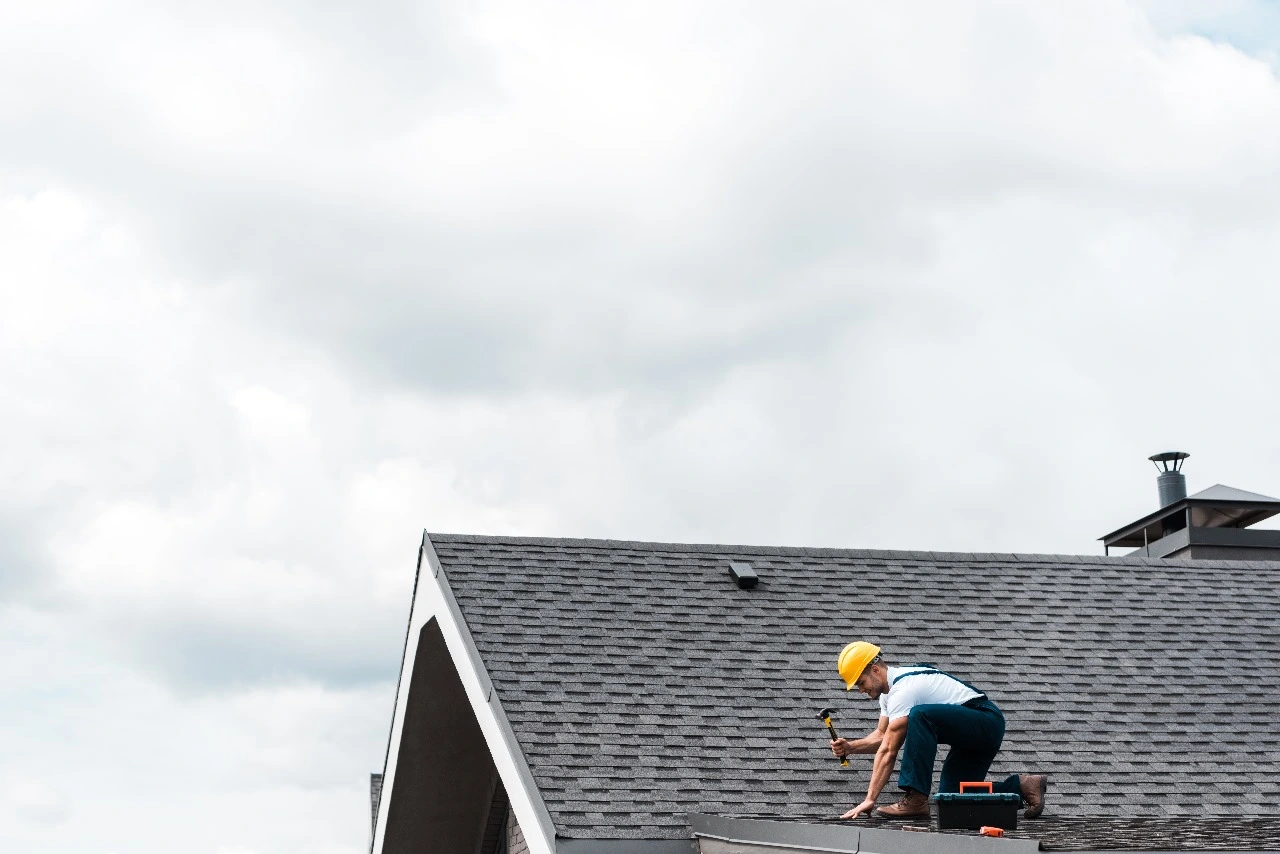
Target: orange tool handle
x: 987, y: 830
x: 979, y: 787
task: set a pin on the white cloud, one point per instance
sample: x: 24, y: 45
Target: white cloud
x: 35, y: 801
x: 95, y: 752
x: 266, y: 416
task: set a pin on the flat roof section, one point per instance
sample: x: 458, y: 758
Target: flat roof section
x: 725, y: 835
x: 1078, y: 833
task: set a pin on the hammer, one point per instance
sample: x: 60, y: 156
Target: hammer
x: 825, y: 717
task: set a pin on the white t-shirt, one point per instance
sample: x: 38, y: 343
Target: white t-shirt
x: 926, y: 687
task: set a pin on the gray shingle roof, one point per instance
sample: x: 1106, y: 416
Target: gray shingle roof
x: 642, y: 684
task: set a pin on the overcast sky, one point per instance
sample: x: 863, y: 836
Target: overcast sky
x: 285, y: 283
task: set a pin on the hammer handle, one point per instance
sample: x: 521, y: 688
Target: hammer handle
x: 844, y: 760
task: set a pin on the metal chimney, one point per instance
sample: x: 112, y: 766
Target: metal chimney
x: 1170, y: 482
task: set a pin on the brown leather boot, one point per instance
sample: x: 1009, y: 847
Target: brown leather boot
x: 913, y: 804
x: 1033, y: 787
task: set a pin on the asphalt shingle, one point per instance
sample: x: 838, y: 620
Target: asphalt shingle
x: 642, y: 684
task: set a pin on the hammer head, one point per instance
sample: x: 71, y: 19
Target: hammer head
x: 826, y: 713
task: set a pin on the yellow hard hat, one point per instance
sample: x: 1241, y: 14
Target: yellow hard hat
x: 854, y: 659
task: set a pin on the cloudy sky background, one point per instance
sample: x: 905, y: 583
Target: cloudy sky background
x: 285, y: 283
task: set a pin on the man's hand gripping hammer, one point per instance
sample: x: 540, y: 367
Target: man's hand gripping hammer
x: 825, y: 716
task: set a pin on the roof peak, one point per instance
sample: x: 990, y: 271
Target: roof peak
x: 1221, y: 492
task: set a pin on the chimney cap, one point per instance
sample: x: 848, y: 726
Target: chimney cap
x: 1169, y: 460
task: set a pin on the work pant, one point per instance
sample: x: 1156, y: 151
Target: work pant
x: 974, y: 731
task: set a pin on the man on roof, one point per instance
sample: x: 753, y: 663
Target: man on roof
x: 920, y: 708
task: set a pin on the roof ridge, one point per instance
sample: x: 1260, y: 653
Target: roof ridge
x: 817, y: 551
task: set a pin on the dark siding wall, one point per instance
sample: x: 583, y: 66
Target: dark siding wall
x: 515, y: 838
x: 495, y: 829
x: 443, y: 788
x: 375, y: 792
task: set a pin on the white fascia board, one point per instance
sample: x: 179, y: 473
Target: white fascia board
x: 433, y: 598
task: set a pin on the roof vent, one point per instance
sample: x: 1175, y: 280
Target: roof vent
x: 743, y: 574
x: 1171, y: 483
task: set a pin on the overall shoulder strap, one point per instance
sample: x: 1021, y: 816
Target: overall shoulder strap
x: 931, y: 669
x: 927, y: 669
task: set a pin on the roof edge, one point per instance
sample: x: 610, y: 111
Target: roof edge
x: 395, y: 703
x: 1181, y: 505
x: 434, y: 600
x: 789, y: 551
x: 525, y: 788
x: 626, y: 846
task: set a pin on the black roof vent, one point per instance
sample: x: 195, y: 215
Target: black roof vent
x: 743, y: 574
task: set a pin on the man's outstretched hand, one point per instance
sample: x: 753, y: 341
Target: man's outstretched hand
x: 860, y: 809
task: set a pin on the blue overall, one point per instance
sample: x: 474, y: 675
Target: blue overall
x: 974, y: 730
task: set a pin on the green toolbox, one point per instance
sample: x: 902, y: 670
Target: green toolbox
x: 976, y: 806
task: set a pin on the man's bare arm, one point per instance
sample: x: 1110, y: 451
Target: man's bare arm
x: 886, y: 757
x: 869, y: 743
